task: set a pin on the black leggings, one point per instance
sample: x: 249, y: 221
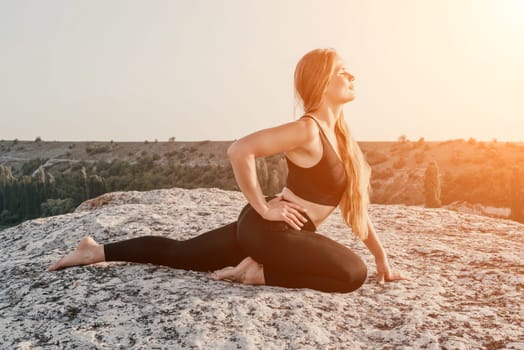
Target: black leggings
x: 291, y: 258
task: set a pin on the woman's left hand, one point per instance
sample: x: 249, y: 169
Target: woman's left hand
x: 386, y: 274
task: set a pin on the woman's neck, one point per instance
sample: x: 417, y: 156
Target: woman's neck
x: 328, y: 115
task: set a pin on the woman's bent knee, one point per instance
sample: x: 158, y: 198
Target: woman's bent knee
x: 356, y: 276
x: 360, y: 274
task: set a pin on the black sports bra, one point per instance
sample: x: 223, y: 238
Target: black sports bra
x: 324, y: 182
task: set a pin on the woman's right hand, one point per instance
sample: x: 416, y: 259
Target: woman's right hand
x: 281, y: 210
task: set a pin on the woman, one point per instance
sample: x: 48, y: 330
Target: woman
x: 274, y: 240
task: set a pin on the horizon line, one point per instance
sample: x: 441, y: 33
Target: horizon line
x: 229, y: 140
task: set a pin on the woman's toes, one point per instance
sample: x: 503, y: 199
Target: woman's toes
x: 223, y: 274
x: 54, y: 267
x: 247, y: 272
x: 84, y: 254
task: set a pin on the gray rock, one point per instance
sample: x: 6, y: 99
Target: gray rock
x: 466, y: 289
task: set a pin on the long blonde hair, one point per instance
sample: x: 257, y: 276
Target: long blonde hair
x: 312, y: 76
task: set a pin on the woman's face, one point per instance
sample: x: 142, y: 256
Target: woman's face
x: 340, y: 87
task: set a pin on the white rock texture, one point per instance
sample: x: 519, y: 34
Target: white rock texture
x: 466, y: 292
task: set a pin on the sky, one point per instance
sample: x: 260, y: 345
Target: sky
x: 101, y: 70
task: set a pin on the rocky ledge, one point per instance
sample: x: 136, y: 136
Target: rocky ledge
x: 466, y: 290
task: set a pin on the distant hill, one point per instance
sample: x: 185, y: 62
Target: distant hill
x: 470, y: 171
x: 14, y: 153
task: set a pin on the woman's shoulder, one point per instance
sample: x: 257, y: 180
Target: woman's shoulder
x: 306, y: 133
x: 307, y: 127
x: 298, y: 134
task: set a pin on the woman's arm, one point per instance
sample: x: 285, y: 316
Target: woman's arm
x: 384, y: 272
x: 263, y: 143
x: 373, y: 243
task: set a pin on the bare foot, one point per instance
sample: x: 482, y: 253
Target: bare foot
x: 225, y: 274
x: 87, y: 252
x: 247, y: 272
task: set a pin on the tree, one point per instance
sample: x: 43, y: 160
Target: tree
x: 29, y: 203
x: 97, y: 186
x: 57, y: 206
x: 41, y: 182
x: 84, y: 183
x: 432, y: 186
x: 262, y: 174
x: 402, y: 139
x: 400, y: 162
x: 282, y: 173
x: 273, y: 182
x: 6, y: 180
x: 517, y: 194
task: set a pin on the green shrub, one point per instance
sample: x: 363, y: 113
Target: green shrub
x: 419, y: 157
x: 432, y: 186
x: 53, y: 207
x: 30, y: 166
x: 399, y: 163
x: 376, y: 185
x: 95, y: 149
x: 456, y: 159
x: 374, y: 157
x: 384, y: 174
x: 517, y: 194
x: 170, y: 154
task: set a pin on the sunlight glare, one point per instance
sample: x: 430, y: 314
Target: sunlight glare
x: 511, y: 14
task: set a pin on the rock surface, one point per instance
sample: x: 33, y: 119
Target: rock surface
x: 466, y: 290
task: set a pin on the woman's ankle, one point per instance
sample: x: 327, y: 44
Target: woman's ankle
x: 254, y: 274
